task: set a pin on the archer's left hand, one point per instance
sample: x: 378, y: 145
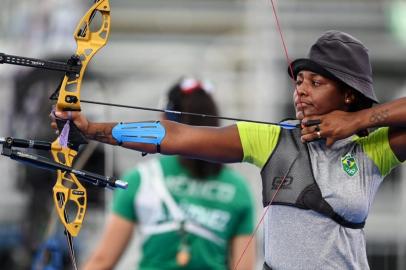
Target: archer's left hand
x: 78, y: 118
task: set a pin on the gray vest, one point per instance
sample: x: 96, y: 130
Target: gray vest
x: 291, y: 160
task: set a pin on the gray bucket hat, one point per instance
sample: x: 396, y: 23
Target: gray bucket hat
x: 339, y: 56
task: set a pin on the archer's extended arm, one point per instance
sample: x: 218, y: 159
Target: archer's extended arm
x: 218, y: 144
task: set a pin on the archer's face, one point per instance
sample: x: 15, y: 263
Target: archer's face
x: 316, y: 95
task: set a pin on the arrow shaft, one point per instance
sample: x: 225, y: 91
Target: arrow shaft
x: 284, y: 125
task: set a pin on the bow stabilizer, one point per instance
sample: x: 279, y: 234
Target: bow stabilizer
x: 68, y: 188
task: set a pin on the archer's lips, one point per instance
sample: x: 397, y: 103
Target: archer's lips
x: 302, y: 106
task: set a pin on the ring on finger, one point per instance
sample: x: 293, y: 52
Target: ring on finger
x: 318, y: 134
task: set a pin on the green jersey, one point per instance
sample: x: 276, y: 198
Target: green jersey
x: 173, y: 210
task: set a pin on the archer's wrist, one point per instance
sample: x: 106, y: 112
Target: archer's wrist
x: 101, y: 132
x: 359, y: 121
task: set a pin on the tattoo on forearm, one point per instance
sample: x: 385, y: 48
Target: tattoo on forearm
x: 379, y: 116
x: 100, y: 136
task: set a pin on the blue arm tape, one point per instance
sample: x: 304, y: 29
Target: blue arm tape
x: 139, y: 132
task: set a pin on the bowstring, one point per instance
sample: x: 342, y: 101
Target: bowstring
x: 289, y: 62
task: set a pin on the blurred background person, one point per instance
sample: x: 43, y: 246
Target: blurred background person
x: 191, y: 214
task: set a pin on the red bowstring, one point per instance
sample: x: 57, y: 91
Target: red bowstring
x: 260, y: 222
x: 289, y: 62
x: 285, y: 48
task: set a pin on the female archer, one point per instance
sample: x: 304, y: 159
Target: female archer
x: 320, y: 180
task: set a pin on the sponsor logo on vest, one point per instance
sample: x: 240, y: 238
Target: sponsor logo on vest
x: 349, y: 164
x: 286, y: 184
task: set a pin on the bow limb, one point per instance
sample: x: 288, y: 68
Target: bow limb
x: 68, y: 189
x: 89, y: 42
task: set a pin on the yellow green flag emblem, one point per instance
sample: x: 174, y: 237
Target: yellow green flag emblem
x: 349, y: 164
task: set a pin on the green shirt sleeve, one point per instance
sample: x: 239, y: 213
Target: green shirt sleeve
x: 123, y: 200
x: 377, y: 148
x: 258, y: 141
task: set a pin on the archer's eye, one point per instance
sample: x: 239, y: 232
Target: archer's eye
x: 316, y: 83
x: 299, y: 82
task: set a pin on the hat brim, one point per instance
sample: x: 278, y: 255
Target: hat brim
x: 365, y: 88
x: 310, y: 65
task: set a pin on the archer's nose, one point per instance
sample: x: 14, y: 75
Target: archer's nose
x: 301, y: 90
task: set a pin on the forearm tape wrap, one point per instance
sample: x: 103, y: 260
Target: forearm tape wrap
x: 139, y: 132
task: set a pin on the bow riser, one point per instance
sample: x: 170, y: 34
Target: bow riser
x: 89, y: 39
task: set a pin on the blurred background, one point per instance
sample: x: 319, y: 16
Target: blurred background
x: 233, y: 43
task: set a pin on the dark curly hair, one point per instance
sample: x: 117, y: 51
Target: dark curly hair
x: 192, y: 95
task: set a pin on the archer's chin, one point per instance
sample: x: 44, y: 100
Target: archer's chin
x: 299, y: 115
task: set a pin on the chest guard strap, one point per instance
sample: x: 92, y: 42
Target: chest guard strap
x: 299, y: 189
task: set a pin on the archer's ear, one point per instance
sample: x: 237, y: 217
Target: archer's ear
x: 349, y: 97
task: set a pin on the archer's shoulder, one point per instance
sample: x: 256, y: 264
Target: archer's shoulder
x: 377, y: 137
x: 248, y: 127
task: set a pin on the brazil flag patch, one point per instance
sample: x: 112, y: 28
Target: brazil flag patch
x: 349, y: 164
